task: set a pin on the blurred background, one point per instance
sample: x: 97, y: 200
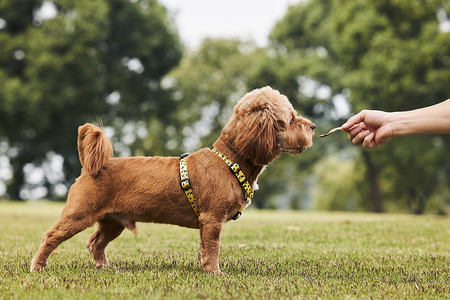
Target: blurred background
x: 163, y: 76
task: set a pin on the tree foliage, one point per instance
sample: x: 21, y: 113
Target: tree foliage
x: 388, y: 55
x: 88, y: 59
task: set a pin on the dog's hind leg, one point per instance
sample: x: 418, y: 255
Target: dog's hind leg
x: 66, y: 227
x: 108, y: 229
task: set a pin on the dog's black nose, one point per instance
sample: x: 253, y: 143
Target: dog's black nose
x: 313, y: 126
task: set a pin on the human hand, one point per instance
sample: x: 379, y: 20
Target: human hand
x: 371, y: 128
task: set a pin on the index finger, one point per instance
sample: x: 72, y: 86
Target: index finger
x: 356, y: 119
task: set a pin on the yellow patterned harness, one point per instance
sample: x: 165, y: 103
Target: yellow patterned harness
x: 186, y: 183
x: 234, y: 167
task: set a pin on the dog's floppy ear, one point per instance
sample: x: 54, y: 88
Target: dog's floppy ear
x: 256, y: 136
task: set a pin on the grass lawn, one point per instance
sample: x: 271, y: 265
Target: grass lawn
x: 266, y: 255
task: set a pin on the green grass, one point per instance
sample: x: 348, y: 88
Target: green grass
x: 266, y: 255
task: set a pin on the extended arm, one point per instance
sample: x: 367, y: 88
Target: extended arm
x: 373, y: 128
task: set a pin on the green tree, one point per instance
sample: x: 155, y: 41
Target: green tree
x: 90, y: 58
x: 388, y: 55
x: 206, y: 86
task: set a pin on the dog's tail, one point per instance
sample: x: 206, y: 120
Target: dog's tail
x: 94, y: 148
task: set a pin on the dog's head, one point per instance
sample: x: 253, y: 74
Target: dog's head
x: 264, y: 125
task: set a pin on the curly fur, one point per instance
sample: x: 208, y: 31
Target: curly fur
x: 117, y: 192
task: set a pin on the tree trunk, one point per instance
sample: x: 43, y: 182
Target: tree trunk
x: 417, y: 201
x: 17, y: 181
x: 374, y: 188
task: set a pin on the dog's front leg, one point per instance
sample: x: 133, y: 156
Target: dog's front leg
x: 209, y: 246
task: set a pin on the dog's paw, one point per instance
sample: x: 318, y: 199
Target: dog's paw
x: 36, y: 267
x: 216, y: 272
x: 103, y: 266
x: 220, y: 273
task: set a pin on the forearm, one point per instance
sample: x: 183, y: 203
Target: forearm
x: 427, y: 120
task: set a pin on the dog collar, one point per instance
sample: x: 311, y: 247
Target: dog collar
x: 186, y: 183
x: 246, y: 187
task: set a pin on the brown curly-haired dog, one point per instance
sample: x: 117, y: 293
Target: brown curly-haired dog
x: 118, y: 192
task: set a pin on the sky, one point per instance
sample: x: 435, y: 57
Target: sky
x: 244, y: 19
x: 198, y: 19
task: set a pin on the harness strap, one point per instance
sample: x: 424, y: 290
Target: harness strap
x: 234, y: 167
x: 246, y: 187
x: 186, y: 183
